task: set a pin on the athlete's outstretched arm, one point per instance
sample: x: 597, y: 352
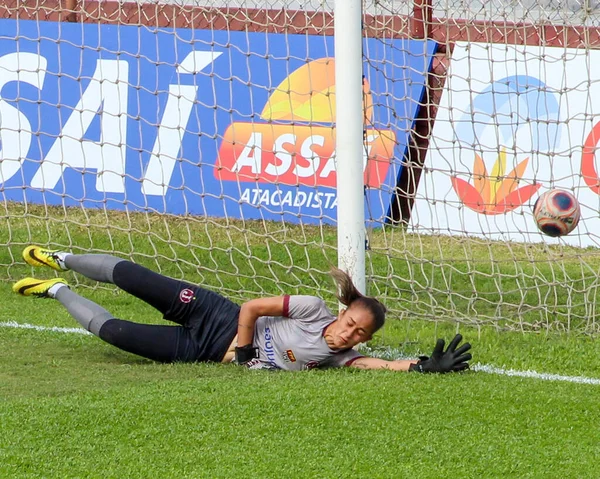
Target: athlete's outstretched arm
x: 451, y: 360
x: 376, y: 363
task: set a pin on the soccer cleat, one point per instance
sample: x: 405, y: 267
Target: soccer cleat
x: 38, y: 256
x: 37, y: 287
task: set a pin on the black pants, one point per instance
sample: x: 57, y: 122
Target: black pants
x: 207, y: 321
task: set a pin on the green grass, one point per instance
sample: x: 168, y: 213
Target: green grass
x: 72, y: 406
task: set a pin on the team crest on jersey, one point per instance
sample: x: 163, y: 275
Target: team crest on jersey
x: 186, y: 295
x: 289, y: 357
x: 311, y: 365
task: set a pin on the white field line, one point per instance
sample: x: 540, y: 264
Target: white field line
x: 485, y: 368
x: 54, y: 329
x: 387, y: 353
x: 392, y: 353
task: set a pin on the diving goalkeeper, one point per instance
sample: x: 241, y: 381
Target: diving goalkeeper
x: 290, y: 332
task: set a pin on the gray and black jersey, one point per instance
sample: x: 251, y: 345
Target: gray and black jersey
x: 295, y: 341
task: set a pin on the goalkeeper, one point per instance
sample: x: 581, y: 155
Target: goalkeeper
x: 285, y: 332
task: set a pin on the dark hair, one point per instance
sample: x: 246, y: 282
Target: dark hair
x: 349, y: 295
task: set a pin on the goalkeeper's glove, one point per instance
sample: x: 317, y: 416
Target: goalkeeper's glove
x: 245, y: 354
x: 444, y: 361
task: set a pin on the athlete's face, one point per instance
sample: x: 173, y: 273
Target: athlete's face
x: 353, y: 326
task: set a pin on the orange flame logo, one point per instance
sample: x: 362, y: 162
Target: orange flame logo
x: 494, y: 193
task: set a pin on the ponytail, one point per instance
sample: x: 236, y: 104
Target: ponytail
x: 348, y: 294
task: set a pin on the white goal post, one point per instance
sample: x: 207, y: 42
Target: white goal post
x: 349, y: 145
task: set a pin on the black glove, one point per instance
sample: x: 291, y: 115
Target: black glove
x: 245, y: 354
x: 444, y: 361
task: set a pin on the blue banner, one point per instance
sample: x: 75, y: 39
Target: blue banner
x: 200, y: 122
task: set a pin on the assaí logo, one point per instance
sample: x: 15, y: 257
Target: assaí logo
x: 520, y: 111
x: 296, y: 143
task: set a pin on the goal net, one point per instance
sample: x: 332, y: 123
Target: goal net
x: 199, y: 139
x: 515, y: 117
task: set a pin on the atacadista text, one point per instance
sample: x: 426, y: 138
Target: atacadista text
x: 310, y: 199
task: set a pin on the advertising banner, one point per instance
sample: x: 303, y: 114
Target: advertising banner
x: 514, y: 122
x: 198, y: 122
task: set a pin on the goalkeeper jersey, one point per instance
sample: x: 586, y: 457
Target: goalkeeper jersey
x: 296, y: 341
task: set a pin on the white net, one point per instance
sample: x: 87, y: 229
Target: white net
x: 556, y: 12
x: 515, y: 117
x: 197, y: 138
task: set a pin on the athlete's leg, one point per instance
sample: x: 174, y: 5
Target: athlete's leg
x: 153, y: 288
x: 157, y: 290
x: 159, y: 343
x: 208, y: 320
x: 175, y: 299
x: 98, y: 267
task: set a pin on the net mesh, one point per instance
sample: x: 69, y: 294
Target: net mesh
x: 156, y: 111
x: 512, y: 121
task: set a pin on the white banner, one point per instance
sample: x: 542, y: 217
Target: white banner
x: 514, y: 121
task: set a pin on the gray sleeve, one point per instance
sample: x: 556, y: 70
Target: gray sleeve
x: 307, y: 308
x: 345, y: 358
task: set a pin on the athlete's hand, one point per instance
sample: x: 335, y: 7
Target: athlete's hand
x: 444, y: 361
x: 245, y: 354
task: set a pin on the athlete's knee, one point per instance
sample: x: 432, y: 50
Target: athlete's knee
x: 98, y: 321
x: 113, y: 331
x: 129, y: 275
x: 123, y: 271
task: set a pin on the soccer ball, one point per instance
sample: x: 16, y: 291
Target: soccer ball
x: 556, y: 212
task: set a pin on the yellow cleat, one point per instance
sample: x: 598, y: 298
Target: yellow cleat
x: 37, y: 287
x: 38, y: 256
